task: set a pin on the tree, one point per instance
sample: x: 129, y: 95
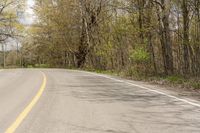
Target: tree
x: 116, y: 35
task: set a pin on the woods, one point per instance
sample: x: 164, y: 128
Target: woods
x: 10, y: 28
x: 145, y: 37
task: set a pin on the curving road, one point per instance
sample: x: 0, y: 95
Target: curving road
x: 82, y: 102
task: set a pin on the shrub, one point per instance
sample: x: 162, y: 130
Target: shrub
x: 140, y: 55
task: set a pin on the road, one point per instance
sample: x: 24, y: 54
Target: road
x: 81, y: 102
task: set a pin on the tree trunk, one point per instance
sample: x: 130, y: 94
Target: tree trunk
x: 186, y: 55
x: 165, y: 37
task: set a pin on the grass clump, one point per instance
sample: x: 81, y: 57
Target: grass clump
x: 195, y: 85
x: 175, y: 79
x: 42, y: 66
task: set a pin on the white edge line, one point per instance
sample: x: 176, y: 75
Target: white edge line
x: 146, y: 88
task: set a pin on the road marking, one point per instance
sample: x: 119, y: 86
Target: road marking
x: 146, y: 88
x: 27, y: 110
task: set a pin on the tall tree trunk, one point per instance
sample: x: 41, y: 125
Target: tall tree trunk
x: 83, y: 49
x: 141, y: 19
x: 149, y: 36
x: 186, y: 46
x: 165, y: 38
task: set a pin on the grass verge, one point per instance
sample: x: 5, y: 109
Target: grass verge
x: 171, y: 81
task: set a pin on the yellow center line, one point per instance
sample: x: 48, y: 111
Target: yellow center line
x: 27, y: 110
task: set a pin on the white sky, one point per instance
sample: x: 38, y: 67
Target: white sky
x: 27, y: 19
x: 29, y: 13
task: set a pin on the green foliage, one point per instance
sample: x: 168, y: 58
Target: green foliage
x: 30, y: 66
x: 195, y: 85
x: 131, y: 72
x: 122, y: 25
x: 140, y: 55
x: 175, y: 79
x: 128, y: 41
x: 105, y: 50
x: 42, y: 66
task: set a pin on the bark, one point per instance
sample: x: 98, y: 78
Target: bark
x: 165, y: 37
x: 186, y: 46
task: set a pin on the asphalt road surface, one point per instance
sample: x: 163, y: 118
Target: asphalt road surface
x: 67, y: 101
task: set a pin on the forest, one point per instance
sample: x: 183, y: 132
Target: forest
x: 136, y: 37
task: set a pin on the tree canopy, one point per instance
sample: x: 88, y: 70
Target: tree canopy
x: 134, y: 36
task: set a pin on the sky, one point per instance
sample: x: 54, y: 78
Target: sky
x: 27, y: 18
x: 29, y: 13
